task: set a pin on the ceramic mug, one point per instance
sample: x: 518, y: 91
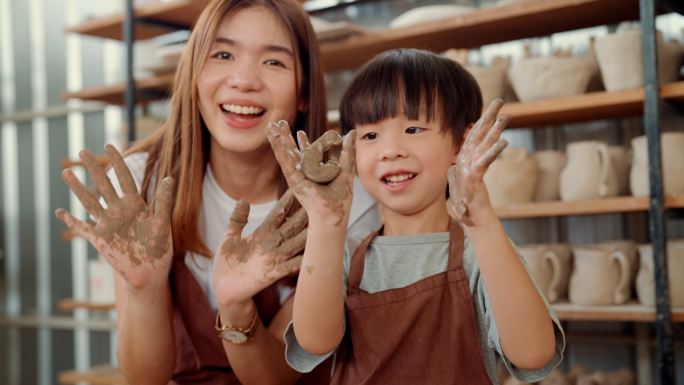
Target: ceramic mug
x: 549, y: 266
x: 645, y: 281
x: 588, y: 173
x: 600, y: 276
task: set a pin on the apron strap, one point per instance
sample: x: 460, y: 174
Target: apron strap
x: 456, y: 240
x: 357, y: 264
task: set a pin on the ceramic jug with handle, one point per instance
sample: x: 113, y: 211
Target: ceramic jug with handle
x: 599, y: 277
x: 588, y: 172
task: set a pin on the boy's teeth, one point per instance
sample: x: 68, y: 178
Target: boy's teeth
x: 243, y: 110
x: 398, y: 178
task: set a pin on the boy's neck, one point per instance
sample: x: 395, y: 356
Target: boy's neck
x: 432, y: 219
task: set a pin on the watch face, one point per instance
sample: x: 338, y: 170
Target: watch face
x: 234, y: 336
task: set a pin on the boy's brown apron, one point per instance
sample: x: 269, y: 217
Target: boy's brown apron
x: 200, y: 358
x: 424, y: 333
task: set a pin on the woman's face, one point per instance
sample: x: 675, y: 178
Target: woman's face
x: 249, y: 80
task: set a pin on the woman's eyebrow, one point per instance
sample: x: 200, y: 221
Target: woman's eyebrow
x: 267, y: 48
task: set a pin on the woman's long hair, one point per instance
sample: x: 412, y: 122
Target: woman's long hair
x: 180, y: 147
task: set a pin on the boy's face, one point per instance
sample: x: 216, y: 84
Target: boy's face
x: 403, y: 163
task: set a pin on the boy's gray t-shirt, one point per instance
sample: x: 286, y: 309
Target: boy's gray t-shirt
x: 398, y: 261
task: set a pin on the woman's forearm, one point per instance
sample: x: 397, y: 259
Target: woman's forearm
x: 523, y: 321
x: 261, y: 360
x: 146, y: 346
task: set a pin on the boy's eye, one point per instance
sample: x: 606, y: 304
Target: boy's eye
x: 414, y: 130
x: 222, y: 55
x: 370, y: 136
x: 275, y: 62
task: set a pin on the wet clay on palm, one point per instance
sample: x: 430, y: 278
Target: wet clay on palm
x: 314, y: 163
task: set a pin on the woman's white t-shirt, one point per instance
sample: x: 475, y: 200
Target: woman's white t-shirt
x: 217, y: 207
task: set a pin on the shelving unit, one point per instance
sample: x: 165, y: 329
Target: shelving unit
x: 485, y: 26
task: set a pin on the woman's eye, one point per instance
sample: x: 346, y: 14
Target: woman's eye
x: 222, y: 55
x: 275, y: 62
x: 370, y: 136
x: 414, y: 130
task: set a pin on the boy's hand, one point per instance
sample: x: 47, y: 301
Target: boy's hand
x: 483, y: 143
x: 245, y: 266
x: 323, y: 202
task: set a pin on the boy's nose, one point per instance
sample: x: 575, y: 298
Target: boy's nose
x: 392, y: 151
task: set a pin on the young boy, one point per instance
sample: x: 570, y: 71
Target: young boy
x: 439, y: 289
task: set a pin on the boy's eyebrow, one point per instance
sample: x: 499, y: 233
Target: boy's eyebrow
x: 267, y: 48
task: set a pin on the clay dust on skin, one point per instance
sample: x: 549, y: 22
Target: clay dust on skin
x: 480, y: 148
x: 279, y: 237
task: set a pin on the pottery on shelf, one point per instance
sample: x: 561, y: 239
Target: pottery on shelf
x: 672, y: 160
x: 549, y: 266
x: 539, y: 78
x: 428, y: 13
x: 645, y: 281
x: 511, y: 178
x: 620, y: 59
x: 492, y: 79
x: 621, y: 158
x: 600, y: 276
x: 588, y: 172
x: 548, y: 183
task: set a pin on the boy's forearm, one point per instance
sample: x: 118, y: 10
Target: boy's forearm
x: 524, y: 324
x: 318, y: 315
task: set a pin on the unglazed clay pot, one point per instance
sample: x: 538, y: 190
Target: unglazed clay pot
x: 548, y: 183
x: 620, y: 60
x: 672, y: 151
x: 630, y: 250
x: 645, y: 281
x: 511, y: 178
x: 550, y: 267
x: 599, y: 276
x: 588, y: 172
x: 621, y: 158
x: 539, y: 78
x: 428, y: 13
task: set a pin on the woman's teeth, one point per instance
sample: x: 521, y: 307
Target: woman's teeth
x: 242, y: 110
x: 398, y: 178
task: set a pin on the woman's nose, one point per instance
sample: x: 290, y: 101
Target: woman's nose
x: 244, y: 77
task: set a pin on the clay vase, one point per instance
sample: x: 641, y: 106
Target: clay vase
x: 621, y: 158
x: 550, y: 267
x: 512, y: 177
x: 548, y: 183
x: 671, y: 144
x: 620, y: 60
x: 645, y: 281
x: 588, y: 172
x: 599, y: 277
x: 539, y: 78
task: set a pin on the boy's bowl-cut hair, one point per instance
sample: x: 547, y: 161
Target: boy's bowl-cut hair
x: 419, y: 80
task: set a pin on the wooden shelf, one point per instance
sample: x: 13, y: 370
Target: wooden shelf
x: 583, y: 207
x: 149, y: 89
x: 631, y: 311
x: 98, y: 375
x: 483, y: 26
x: 70, y: 304
x: 181, y: 13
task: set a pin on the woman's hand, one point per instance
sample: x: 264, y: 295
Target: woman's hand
x: 467, y: 191
x: 323, y: 201
x: 135, y: 240
x: 245, y: 266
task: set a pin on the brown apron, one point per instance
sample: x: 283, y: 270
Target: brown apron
x: 424, y: 333
x: 200, y: 358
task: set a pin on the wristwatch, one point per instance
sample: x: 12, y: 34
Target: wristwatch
x: 233, y: 334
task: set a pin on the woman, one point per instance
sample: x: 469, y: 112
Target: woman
x: 247, y: 63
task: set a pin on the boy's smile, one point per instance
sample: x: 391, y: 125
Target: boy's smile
x: 403, y: 164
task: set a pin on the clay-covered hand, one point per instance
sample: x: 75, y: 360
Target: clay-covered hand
x: 322, y: 201
x: 314, y: 163
x: 132, y: 237
x: 483, y: 143
x: 245, y: 266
